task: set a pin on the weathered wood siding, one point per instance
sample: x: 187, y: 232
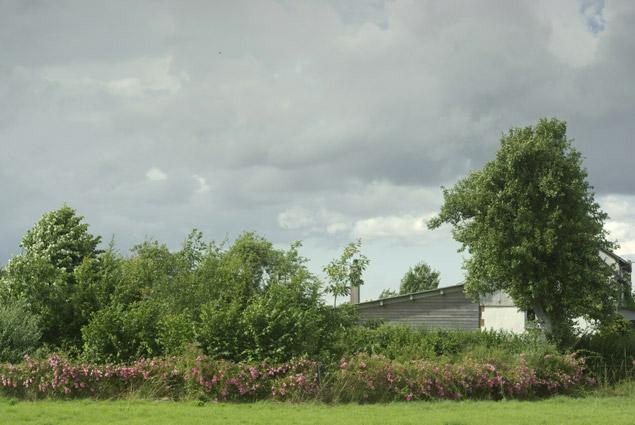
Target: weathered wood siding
x: 450, y: 310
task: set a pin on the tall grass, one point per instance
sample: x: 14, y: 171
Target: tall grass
x: 610, y: 354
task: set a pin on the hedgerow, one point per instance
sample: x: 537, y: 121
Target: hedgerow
x: 357, y: 378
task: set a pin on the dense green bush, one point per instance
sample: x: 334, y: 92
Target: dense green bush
x: 122, y: 333
x: 247, y: 301
x: 19, y: 330
x: 401, y: 342
x: 175, y: 332
x: 219, y: 330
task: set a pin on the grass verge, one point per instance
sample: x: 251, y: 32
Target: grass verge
x: 596, y: 409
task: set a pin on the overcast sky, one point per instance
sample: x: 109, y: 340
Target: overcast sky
x: 322, y: 121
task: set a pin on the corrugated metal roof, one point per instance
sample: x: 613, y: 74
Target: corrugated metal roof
x: 411, y: 297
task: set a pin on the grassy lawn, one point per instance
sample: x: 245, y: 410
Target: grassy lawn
x: 590, y: 410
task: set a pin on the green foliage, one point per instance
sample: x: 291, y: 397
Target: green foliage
x: 272, y: 310
x: 61, y: 239
x: 284, y: 322
x: 120, y: 333
x: 617, y: 327
x: 404, y: 343
x: 46, y: 290
x: 346, y: 272
x: 220, y: 331
x: 19, y: 331
x: 249, y: 274
x: 421, y: 277
x: 96, y: 279
x: 387, y: 293
x: 248, y: 301
x: 533, y: 229
x: 175, y: 332
x: 43, y: 274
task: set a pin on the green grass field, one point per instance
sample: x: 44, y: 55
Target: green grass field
x: 590, y: 410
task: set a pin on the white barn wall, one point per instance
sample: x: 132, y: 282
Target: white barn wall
x: 499, y: 313
x: 503, y: 318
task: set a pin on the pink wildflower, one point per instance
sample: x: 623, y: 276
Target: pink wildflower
x: 254, y: 373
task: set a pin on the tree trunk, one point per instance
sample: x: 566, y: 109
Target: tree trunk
x: 543, y: 318
x: 556, y: 328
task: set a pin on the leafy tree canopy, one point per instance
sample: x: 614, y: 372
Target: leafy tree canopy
x: 346, y: 272
x: 61, y: 239
x: 421, y: 277
x: 43, y: 274
x: 532, y: 228
x: 387, y: 293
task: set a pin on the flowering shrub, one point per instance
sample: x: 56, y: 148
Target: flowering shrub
x: 59, y: 377
x: 375, y: 378
x: 222, y: 380
x: 360, y: 378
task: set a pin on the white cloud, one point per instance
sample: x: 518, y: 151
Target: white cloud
x: 624, y: 233
x: 156, y: 174
x: 391, y: 227
x: 621, y: 223
x: 335, y: 222
x: 337, y: 227
x: 618, y: 207
x: 128, y: 79
x: 203, y: 186
x: 295, y: 218
x: 570, y: 38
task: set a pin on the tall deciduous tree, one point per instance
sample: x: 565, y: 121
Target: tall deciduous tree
x: 60, y: 238
x: 43, y: 274
x: 532, y: 228
x: 421, y: 277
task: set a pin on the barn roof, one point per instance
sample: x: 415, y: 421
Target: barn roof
x: 412, y: 296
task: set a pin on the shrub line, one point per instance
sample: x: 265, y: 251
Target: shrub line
x: 361, y: 378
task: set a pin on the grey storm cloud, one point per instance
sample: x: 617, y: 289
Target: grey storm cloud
x: 326, y: 120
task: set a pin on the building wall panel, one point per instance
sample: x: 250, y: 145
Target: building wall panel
x: 452, y: 310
